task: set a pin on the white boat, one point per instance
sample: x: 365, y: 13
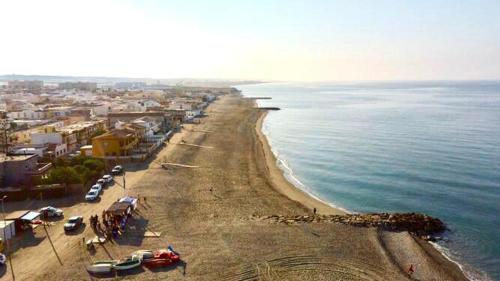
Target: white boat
x: 101, y: 266
x: 128, y: 263
x: 144, y: 254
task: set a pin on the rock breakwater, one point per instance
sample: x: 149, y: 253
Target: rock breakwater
x: 418, y: 224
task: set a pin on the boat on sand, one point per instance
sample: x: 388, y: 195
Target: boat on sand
x: 162, y: 258
x: 128, y: 263
x: 105, y: 266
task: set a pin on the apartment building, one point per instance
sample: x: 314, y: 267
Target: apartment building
x: 117, y: 142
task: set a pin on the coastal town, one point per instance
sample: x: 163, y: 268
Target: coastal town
x: 147, y: 181
x: 67, y: 143
x: 249, y: 140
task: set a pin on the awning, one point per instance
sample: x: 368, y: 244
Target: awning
x: 31, y: 215
x: 131, y: 200
x: 128, y: 199
x: 17, y: 215
x: 118, y: 208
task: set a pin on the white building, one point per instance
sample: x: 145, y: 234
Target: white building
x: 136, y: 106
x: 43, y: 138
x: 101, y: 109
x: 192, y: 108
x: 28, y: 114
x: 151, y: 103
x: 61, y: 111
x: 150, y: 125
x: 57, y: 150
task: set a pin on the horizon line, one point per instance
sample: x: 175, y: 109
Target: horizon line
x: 258, y: 80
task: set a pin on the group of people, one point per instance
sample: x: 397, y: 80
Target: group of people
x: 95, y: 224
x: 111, y: 226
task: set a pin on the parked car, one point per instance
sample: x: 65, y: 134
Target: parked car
x: 108, y: 178
x: 101, y: 182
x: 73, y: 223
x: 92, y: 195
x: 97, y: 187
x: 50, y: 212
x: 117, y: 170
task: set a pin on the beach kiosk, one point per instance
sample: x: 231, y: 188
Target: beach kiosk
x: 119, y: 209
x: 117, y: 215
x: 23, y: 219
x: 7, y: 231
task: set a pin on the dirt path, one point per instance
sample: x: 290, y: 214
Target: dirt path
x: 204, y: 213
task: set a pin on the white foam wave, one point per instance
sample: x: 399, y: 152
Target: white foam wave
x: 470, y: 273
x: 290, y: 176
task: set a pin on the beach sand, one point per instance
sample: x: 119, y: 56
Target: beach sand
x: 208, y: 214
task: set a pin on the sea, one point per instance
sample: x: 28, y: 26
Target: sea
x: 430, y: 147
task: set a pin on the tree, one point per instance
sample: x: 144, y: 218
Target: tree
x: 64, y: 175
x: 61, y: 162
x: 78, y: 160
x: 85, y: 174
x: 94, y: 164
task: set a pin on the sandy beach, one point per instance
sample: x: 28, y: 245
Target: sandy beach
x: 206, y: 213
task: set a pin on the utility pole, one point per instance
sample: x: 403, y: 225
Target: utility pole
x: 124, y: 188
x: 6, y: 240
x: 52, y: 244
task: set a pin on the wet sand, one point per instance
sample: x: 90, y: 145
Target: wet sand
x: 206, y: 213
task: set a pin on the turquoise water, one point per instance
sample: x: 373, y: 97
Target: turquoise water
x: 425, y: 147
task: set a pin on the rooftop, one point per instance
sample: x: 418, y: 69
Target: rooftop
x: 16, y: 215
x: 4, y: 158
x: 121, y: 133
x: 147, y: 113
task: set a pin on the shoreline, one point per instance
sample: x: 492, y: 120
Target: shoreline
x: 223, y: 202
x: 284, y: 186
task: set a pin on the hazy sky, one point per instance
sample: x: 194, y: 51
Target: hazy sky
x: 268, y: 39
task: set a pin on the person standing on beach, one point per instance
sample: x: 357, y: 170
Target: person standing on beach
x: 411, y: 270
x: 314, y: 211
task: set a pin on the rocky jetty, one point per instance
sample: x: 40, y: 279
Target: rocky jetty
x: 415, y: 223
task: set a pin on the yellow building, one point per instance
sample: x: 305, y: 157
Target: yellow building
x: 118, y: 142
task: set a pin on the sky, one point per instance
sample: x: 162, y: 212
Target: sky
x: 272, y: 40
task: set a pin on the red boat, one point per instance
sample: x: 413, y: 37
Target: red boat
x: 161, y: 258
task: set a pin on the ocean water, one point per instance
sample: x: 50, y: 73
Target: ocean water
x: 431, y: 147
